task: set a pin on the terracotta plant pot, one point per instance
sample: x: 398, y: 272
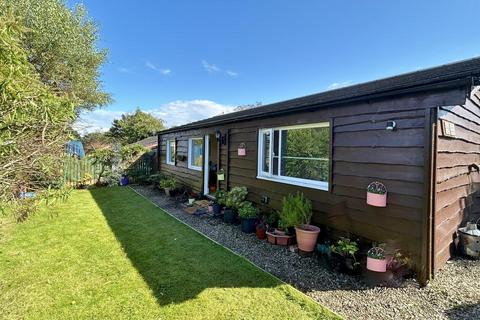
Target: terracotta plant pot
x: 248, y: 224
x: 261, y: 233
x: 279, y: 239
x: 307, y: 237
x: 376, y: 265
x: 377, y: 200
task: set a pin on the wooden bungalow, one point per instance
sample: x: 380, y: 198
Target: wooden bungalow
x: 418, y: 133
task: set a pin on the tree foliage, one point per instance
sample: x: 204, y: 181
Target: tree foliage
x: 135, y: 126
x: 96, y: 140
x: 34, y: 122
x: 49, y: 72
x: 62, y: 48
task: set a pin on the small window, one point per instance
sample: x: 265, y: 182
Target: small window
x: 195, y: 153
x: 298, y: 155
x: 171, y: 152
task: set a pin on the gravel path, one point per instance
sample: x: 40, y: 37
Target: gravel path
x: 454, y: 294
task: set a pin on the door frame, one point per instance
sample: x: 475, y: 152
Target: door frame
x: 206, y: 160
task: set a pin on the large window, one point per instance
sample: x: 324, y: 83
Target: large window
x: 195, y: 153
x: 171, y: 152
x: 296, y: 155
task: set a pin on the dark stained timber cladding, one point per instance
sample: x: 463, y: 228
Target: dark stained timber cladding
x: 362, y: 151
x: 457, y: 188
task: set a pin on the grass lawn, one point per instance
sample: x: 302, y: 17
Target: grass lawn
x: 110, y: 254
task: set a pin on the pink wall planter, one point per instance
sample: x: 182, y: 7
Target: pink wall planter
x: 377, y: 194
x: 377, y: 200
x: 376, y: 265
x: 242, y: 150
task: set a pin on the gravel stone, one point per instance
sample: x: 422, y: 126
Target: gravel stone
x: 453, y: 294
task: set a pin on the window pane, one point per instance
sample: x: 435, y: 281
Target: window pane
x: 305, y: 153
x: 172, y: 151
x: 275, y: 144
x: 266, y: 152
x: 197, y: 153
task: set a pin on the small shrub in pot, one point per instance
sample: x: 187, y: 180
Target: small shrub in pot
x: 346, y: 250
x: 297, y: 212
x: 248, y: 216
x: 234, y: 200
x: 168, y: 185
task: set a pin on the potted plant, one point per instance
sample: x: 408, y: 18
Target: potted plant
x: 234, y: 199
x: 376, y: 260
x: 282, y: 235
x: 297, y: 212
x: 220, y: 175
x: 401, y: 263
x: 248, y: 216
x: 345, y: 250
x: 377, y: 194
x: 168, y: 185
x: 123, y: 180
x: 219, y: 203
x: 261, y: 230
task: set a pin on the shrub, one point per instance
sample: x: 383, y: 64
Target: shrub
x: 345, y: 247
x: 221, y: 197
x: 155, y: 178
x: 168, y: 183
x: 112, y: 178
x: 235, y: 197
x: 296, y: 210
x: 247, y: 210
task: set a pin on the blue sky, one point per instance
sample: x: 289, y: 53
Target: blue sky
x: 186, y: 60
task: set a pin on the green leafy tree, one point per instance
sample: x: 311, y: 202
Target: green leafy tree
x: 105, y: 158
x: 135, y: 126
x: 96, y: 140
x: 34, y: 122
x: 62, y: 48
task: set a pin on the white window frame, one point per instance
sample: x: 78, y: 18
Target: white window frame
x: 190, y: 157
x: 169, y: 151
x: 313, y: 184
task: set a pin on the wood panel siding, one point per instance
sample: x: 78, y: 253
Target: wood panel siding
x: 457, y: 188
x: 362, y: 151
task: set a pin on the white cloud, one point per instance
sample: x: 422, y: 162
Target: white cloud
x: 123, y: 70
x: 154, y: 67
x: 173, y: 113
x: 181, y: 112
x: 210, y: 67
x: 97, y: 120
x: 337, y: 85
x: 232, y: 73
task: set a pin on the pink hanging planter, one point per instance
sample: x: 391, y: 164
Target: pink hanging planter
x: 242, y: 150
x: 376, y: 259
x: 376, y: 265
x: 377, y: 194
